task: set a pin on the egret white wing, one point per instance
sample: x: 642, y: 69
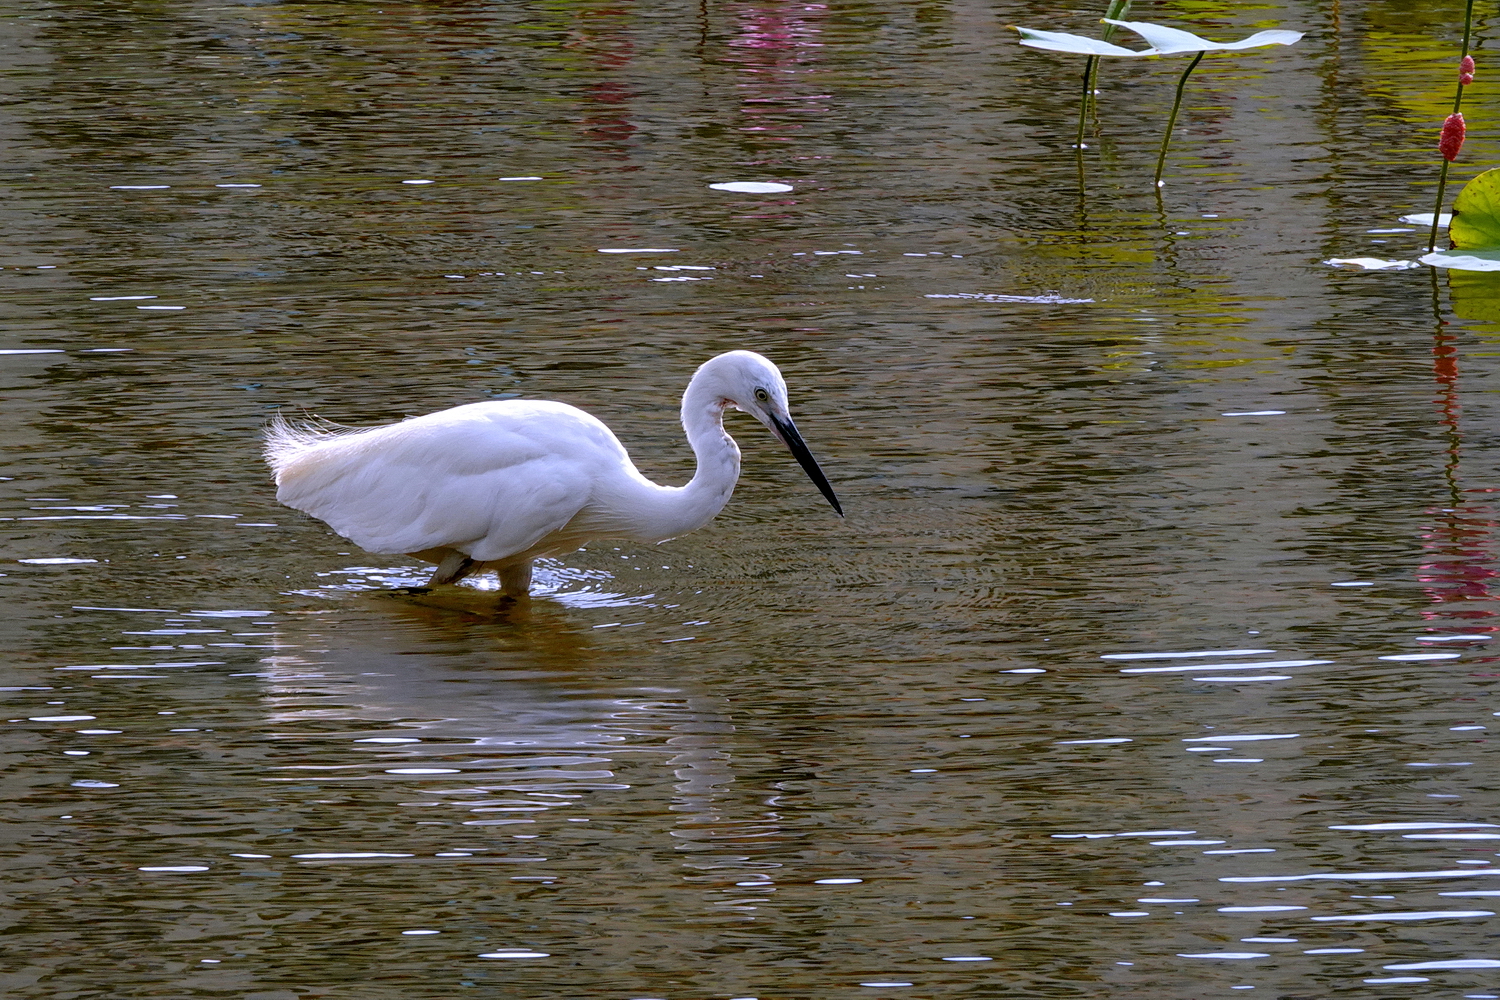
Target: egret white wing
x: 488, y: 479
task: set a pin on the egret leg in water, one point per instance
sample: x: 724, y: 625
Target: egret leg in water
x: 492, y: 486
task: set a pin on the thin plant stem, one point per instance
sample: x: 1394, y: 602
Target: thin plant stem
x: 1458, y: 103
x: 1088, y: 92
x: 1437, y: 210
x: 1117, y: 9
x: 1082, y: 191
x: 1166, y: 140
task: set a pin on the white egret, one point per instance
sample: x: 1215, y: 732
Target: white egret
x: 492, y: 486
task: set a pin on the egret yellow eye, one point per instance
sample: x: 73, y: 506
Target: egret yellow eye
x: 762, y: 395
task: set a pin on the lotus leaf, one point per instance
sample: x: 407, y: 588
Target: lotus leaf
x: 1464, y: 260
x: 1167, y: 41
x: 1058, y: 41
x: 1164, y: 41
x: 1476, y: 214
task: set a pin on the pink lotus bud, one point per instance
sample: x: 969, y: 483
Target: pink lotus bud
x: 1466, y: 71
x: 1452, y: 139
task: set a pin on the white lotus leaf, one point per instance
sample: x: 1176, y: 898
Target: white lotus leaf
x: 1371, y: 264
x: 1164, y: 41
x: 1058, y: 41
x: 1167, y: 41
x: 1464, y: 260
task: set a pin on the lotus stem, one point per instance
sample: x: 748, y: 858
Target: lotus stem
x: 1117, y: 9
x: 1088, y: 92
x: 1453, y: 128
x: 1166, y: 140
x: 1437, y: 210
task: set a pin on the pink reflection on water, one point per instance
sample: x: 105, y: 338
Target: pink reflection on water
x: 776, y: 46
x: 602, y: 37
x: 1460, y: 566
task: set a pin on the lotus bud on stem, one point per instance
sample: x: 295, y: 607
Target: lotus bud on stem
x: 1452, y: 138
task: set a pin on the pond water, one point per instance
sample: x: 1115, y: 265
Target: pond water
x: 1151, y: 660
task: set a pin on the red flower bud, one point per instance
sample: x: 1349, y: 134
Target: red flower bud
x: 1466, y: 70
x: 1452, y: 139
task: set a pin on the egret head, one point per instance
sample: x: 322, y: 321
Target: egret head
x: 746, y: 381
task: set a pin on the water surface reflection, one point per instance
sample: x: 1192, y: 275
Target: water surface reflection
x: 1153, y: 657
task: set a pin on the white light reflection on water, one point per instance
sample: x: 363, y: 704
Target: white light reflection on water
x: 1417, y: 915
x: 1247, y: 738
x: 1183, y: 655
x: 1269, y: 908
x: 1260, y: 665
x: 1455, y: 963
x: 552, y: 579
x: 351, y: 854
x: 1381, y: 827
x: 1359, y: 876
x: 1137, y: 833
x: 752, y: 187
x: 1046, y: 300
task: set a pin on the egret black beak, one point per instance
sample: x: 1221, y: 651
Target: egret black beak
x: 787, y: 431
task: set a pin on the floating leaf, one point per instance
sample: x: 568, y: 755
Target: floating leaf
x: 1058, y: 41
x: 1371, y: 263
x: 752, y: 187
x: 1167, y: 41
x: 1464, y: 260
x: 1164, y: 41
x: 1476, y: 214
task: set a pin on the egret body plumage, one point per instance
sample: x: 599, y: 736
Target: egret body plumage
x: 493, y: 486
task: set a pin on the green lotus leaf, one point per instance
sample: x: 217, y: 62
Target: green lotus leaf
x: 1165, y: 41
x: 1476, y: 214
